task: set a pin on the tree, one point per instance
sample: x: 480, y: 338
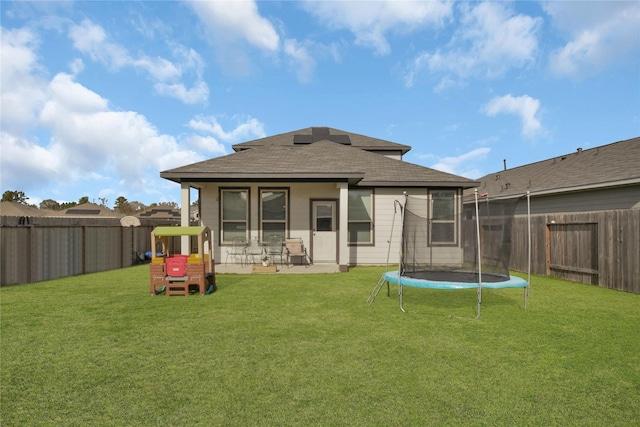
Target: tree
x: 50, y: 204
x: 137, y: 206
x: 83, y: 200
x: 122, y: 205
x: 67, y: 205
x: 15, y: 196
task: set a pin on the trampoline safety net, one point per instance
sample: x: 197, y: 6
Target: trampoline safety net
x: 440, y: 238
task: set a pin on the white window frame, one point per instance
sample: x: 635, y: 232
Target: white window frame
x: 455, y: 200
x: 369, y: 221
x: 284, y: 221
x: 224, y: 221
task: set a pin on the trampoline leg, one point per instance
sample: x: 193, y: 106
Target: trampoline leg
x: 400, y: 295
x: 479, y: 302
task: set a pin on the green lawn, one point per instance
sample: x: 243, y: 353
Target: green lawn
x: 307, y: 350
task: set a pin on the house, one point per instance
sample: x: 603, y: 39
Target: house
x: 166, y: 213
x: 89, y: 210
x: 585, y: 214
x: 333, y: 189
x: 23, y: 211
x: 596, y: 179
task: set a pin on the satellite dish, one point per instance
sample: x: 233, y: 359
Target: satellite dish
x: 129, y: 221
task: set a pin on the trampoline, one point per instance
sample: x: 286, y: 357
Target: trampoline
x: 488, y: 281
x: 476, y: 258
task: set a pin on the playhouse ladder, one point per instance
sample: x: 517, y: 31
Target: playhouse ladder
x: 376, y: 290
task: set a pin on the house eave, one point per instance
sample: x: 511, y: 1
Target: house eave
x: 596, y: 186
x: 516, y: 193
x: 350, y: 177
x: 421, y: 184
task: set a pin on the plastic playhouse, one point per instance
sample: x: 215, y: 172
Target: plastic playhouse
x: 177, y: 274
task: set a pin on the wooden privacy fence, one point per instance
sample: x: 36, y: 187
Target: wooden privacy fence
x: 600, y: 248
x: 43, y: 248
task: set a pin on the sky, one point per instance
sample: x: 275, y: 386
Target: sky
x: 99, y: 97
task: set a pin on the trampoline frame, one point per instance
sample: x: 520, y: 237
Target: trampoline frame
x: 512, y: 282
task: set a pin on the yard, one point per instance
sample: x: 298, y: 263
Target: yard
x: 307, y: 350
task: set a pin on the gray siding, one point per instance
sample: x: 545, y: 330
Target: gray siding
x: 627, y: 197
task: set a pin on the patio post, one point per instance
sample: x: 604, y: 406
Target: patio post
x: 185, y: 203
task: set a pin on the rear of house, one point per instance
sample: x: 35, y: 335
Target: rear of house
x: 335, y: 190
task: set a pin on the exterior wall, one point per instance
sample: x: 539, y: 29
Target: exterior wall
x: 627, y: 197
x: 300, y: 195
x: 388, y: 233
x: 387, y: 221
x: 387, y: 227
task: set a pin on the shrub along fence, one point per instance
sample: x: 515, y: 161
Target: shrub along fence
x: 600, y: 248
x: 43, y: 248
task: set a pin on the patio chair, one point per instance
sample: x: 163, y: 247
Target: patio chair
x: 295, y: 249
x: 237, y: 250
x: 274, y: 248
x: 254, y: 250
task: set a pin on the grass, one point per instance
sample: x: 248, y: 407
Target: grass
x: 307, y: 350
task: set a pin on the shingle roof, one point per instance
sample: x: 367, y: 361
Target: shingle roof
x: 18, y: 209
x: 89, y: 210
x: 323, y: 160
x: 336, y: 135
x: 608, y: 165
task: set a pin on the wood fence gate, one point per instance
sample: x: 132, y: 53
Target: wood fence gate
x: 572, y: 251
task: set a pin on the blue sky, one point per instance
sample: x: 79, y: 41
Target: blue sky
x: 99, y: 97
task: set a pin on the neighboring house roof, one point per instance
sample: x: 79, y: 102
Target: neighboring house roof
x: 609, y: 165
x: 318, y: 161
x: 18, y: 209
x: 160, y: 212
x: 88, y: 210
x: 315, y: 134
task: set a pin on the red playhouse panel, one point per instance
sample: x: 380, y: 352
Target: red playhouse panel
x: 176, y: 265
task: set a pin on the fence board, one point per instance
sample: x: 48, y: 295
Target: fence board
x: 45, y: 248
x: 611, y: 247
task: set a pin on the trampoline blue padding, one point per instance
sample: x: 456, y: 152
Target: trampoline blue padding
x: 394, y: 277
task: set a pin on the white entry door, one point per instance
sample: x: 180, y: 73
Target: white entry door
x: 323, y: 229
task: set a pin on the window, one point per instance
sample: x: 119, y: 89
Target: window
x: 360, y: 216
x: 274, y: 212
x: 443, y: 217
x: 234, y: 214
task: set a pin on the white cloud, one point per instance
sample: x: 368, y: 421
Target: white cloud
x: 524, y: 106
x: 491, y: 39
x: 73, y: 96
x: 89, y: 138
x: 195, y: 95
x: 21, y: 85
x: 463, y: 165
x: 245, y: 130
x: 231, y: 26
x: 301, y: 60
x: 206, y: 144
x: 600, y: 33
x: 234, y: 20
x: 371, y: 21
x: 87, y: 142
x: 76, y: 66
x: 92, y: 40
